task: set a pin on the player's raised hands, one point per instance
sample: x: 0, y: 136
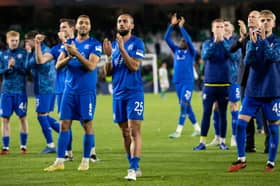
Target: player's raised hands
x: 253, y: 35
x: 120, y: 41
x: 242, y: 29
x: 181, y: 22
x: 71, y: 48
x: 62, y: 36
x: 218, y: 37
x: 262, y: 33
x: 107, y: 47
x: 174, y: 20
x: 11, y: 62
x: 39, y: 38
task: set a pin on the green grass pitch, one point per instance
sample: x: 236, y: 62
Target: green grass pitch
x: 164, y: 161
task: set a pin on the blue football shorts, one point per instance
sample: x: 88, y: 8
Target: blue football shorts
x: 234, y: 93
x: 45, y: 103
x: 184, y: 93
x: 77, y: 107
x: 269, y: 106
x: 128, y: 108
x: 58, y: 101
x: 13, y: 103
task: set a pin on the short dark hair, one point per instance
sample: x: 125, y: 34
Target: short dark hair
x: 31, y: 34
x: 71, y: 22
x: 84, y: 16
x: 127, y: 14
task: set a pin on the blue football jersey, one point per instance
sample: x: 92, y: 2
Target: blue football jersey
x: 234, y: 61
x: 183, y: 58
x: 60, y: 73
x: 80, y: 81
x: 263, y: 58
x: 127, y: 82
x: 13, y: 78
x: 44, y: 75
x: 217, y: 61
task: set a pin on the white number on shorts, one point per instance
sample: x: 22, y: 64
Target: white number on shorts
x: 139, y: 107
x: 188, y: 94
x: 237, y: 93
x: 276, y: 108
x: 90, y: 109
x: 22, y: 106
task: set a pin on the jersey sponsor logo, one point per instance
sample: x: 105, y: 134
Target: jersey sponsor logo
x: 139, y: 107
x: 180, y: 57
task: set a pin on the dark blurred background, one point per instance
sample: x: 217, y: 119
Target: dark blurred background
x: 151, y: 20
x: 151, y: 16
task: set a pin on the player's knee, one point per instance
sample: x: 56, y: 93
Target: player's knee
x: 207, y: 111
x: 135, y: 133
x: 125, y: 132
x: 64, y: 125
x: 233, y: 106
x: 5, y: 120
x: 215, y: 106
x: 184, y: 108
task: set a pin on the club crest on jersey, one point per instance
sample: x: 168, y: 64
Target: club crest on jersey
x: 86, y: 47
x: 130, y: 47
x: 19, y: 56
x: 6, y: 57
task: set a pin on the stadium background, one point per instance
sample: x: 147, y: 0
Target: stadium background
x: 151, y: 20
x: 165, y: 162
